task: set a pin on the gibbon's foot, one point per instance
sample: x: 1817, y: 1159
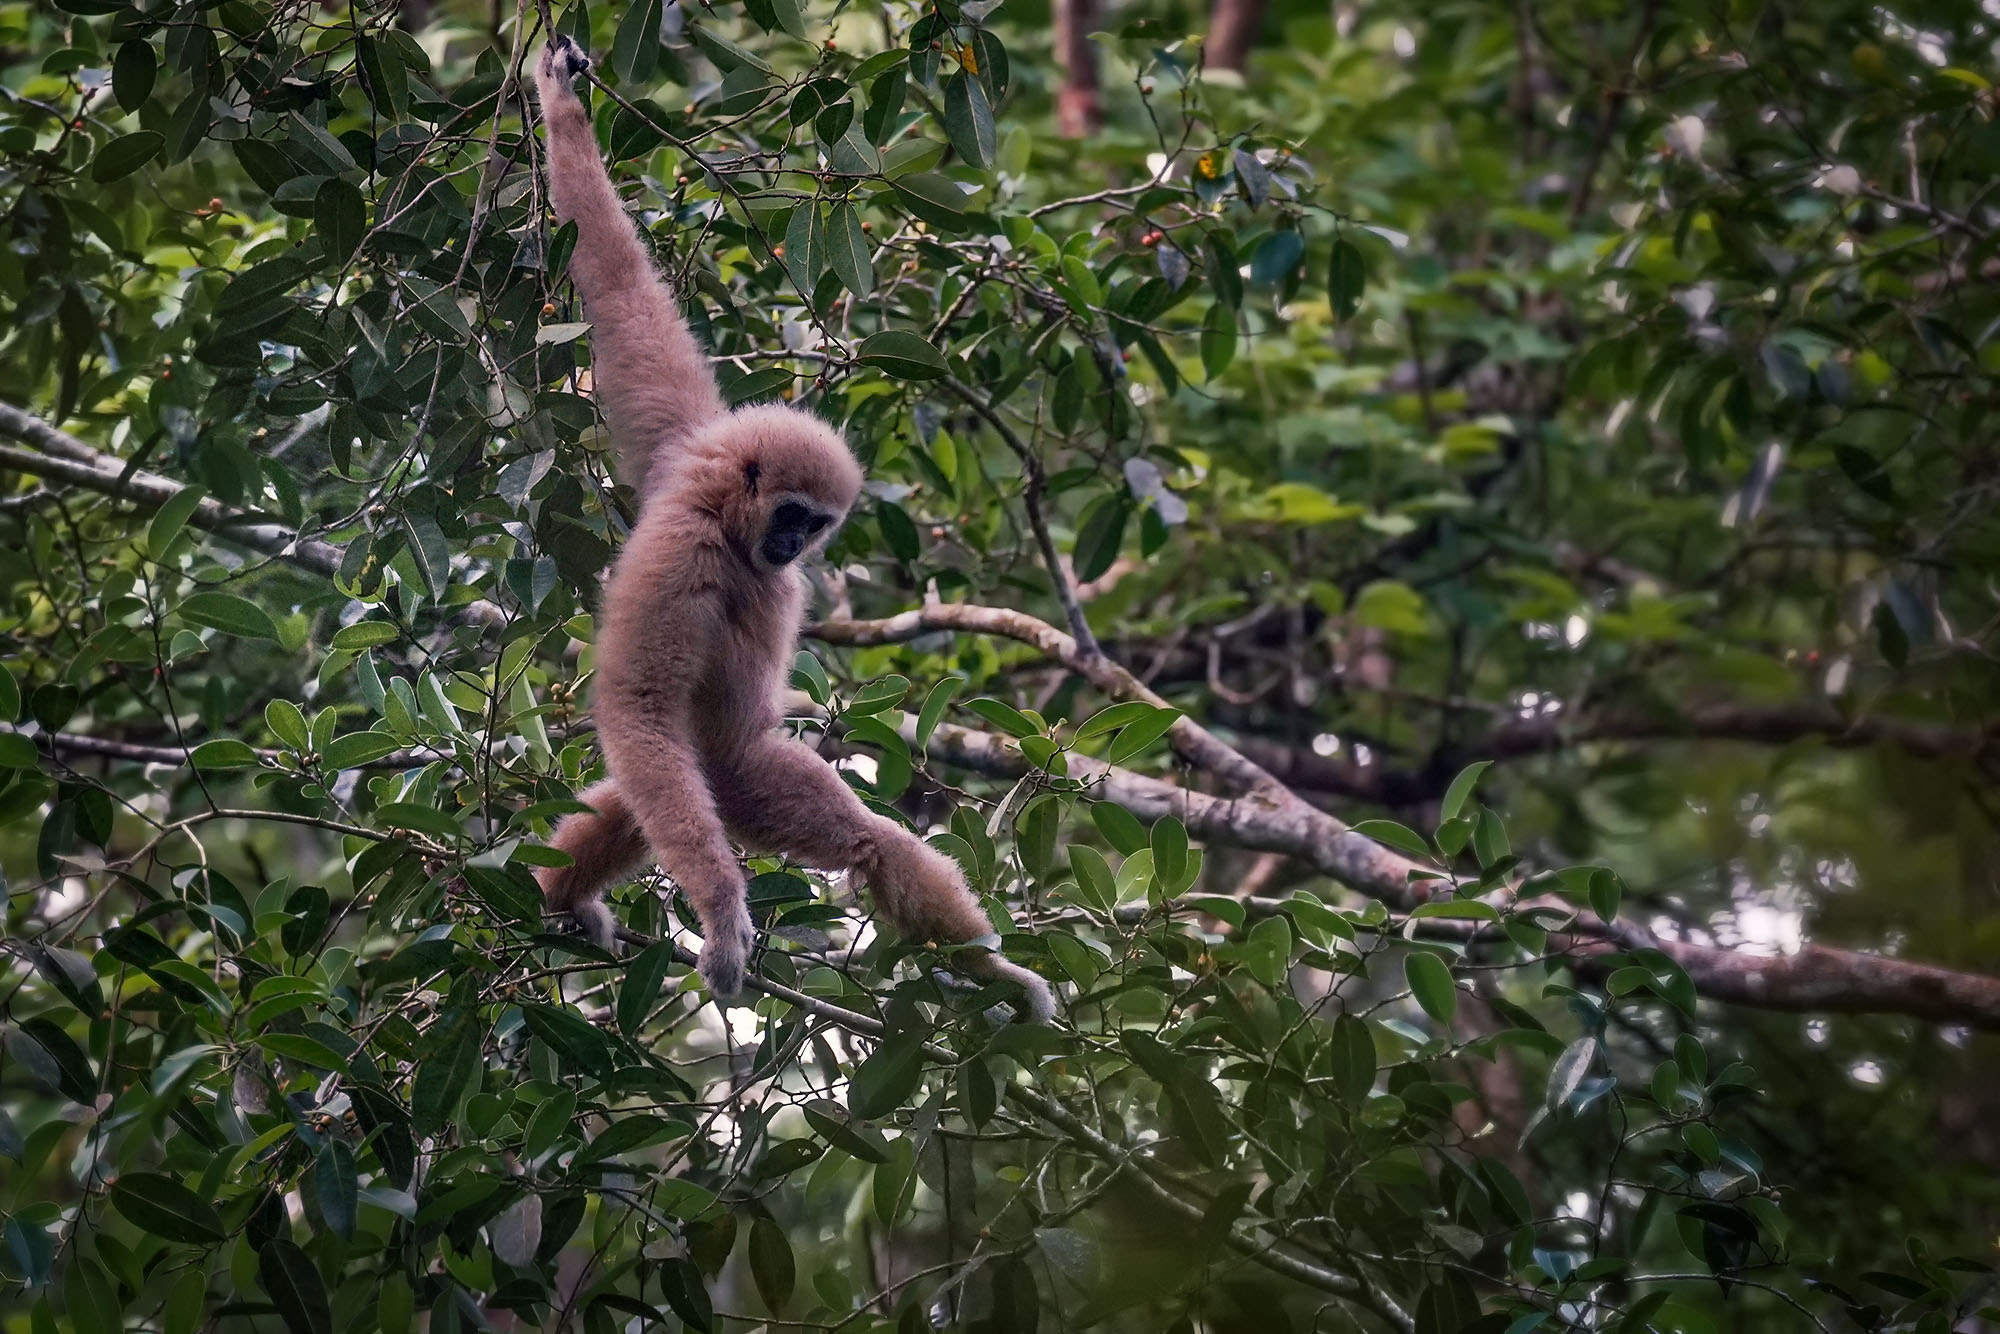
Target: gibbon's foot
x: 725, y: 954
x: 563, y: 59
x: 594, y: 922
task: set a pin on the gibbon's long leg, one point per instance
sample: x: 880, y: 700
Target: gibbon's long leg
x: 645, y: 365
x: 780, y: 796
x: 661, y: 783
x: 604, y: 845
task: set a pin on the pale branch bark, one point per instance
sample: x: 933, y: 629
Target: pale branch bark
x: 1195, y: 743
x: 1815, y: 979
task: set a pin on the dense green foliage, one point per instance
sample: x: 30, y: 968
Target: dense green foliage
x: 1608, y: 397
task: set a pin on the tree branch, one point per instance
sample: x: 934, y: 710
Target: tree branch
x: 64, y: 458
x: 67, y: 459
x: 1816, y: 978
x: 1079, y: 625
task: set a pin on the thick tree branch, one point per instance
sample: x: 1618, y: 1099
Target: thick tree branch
x: 1190, y: 739
x: 64, y: 458
x: 1816, y: 979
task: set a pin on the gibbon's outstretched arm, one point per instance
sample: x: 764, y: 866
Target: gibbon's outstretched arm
x: 779, y: 795
x: 645, y: 365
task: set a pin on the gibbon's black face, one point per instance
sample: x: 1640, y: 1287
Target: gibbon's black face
x: 794, y: 524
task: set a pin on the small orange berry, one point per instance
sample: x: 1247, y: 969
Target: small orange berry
x: 548, y: 309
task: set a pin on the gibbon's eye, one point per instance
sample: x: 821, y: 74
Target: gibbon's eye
x: 792, y: 525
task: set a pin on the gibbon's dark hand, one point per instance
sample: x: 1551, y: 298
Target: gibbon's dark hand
x: 563, y: 60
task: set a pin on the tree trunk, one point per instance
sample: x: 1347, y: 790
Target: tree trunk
x: 1079, y: 111
x: 1232, y: 30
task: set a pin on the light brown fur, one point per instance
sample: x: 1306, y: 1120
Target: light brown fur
x: 699, y: 623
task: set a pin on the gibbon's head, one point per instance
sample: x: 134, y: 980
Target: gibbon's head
x: 786, y: 480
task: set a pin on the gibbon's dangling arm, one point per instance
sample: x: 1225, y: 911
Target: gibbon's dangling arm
x: 648, y: 371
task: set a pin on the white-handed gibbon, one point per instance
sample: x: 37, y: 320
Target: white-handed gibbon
x: 700, y: 618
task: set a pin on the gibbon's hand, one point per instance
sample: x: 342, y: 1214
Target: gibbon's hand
x: 725, y: 952
x: 562, y: 61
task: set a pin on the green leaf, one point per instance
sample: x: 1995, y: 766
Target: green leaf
x: 223, y: 753
x: 292, y: 1282
x: 1170, y: 855
x: 850, y: 252
x: 1353, y: 1059
x: 417, y: 816
x: 1218, y: 339
x: 18, y: 751
x: 806, y: 245
x: 968, y: 120
x: 1461, y: 788
x: 1275, y: 257
x: 628, y: 1134
x: 834, y: 1124
x: 170, y: 518
x: 90, y: 1300
x: 288, y: 724
x: 901, y: 355
x: 335, y: 1184
x: 165, y: 1207
x: 1093, y: 877
x: 1430, y: 981
x: 771, y: 1263
x: 1346, y: 277
x: 1121, y: 829
x: 577, y: 1041
x: 1267, y: 950
x: 446, y: 1072
x: 635, y: 50
x: 10, y: 695
x: 935, y: 704
x: 125, y: 155
x: 228, y: 613
x: 1567, y: 1075
x: 358, y: 748
x: 1605, y: 891
x: 1392, y: 835
x: 935, y: 199
x: 1003, y: 716
x: 132, y: 74
x: 640, y: 988
x: 898, y: 530
x: 884, y: 1081
x: 1100, y: 533
x: 340, y: 216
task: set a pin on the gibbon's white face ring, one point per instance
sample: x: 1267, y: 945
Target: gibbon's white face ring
x: 797, y: 524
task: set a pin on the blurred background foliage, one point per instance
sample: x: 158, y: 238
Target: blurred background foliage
x: 1602, y: 390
